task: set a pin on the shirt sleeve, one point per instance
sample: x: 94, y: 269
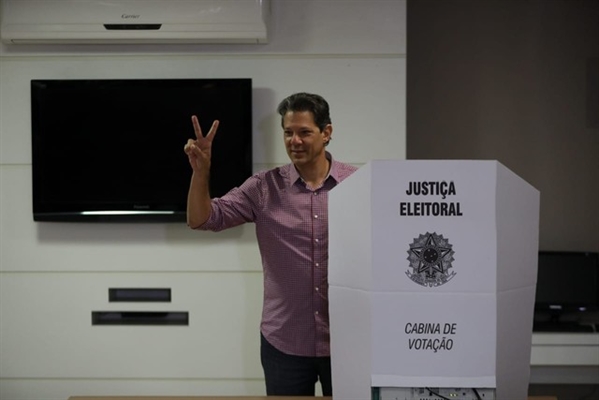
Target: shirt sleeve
x: 237, y: 207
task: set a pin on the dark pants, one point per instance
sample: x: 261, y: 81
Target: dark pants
x: 288, y: 375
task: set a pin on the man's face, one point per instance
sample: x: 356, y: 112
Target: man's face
x: 304, y: 141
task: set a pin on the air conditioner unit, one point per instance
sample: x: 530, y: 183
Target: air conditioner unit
x: 133, y: 21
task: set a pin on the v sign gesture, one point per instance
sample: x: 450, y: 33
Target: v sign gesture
x: 199, y: 153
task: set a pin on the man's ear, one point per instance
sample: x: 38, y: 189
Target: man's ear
x: 327, y: 133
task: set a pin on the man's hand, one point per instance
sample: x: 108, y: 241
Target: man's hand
x: 199, y: 151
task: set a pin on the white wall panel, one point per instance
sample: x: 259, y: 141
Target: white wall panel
x: 52, y: 275
x: 47, y: 332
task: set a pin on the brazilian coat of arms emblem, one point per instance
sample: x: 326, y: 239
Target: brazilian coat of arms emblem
x: 430, y: 258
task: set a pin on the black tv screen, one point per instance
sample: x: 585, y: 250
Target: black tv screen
x: 567, y: 282
x: 112, y: 150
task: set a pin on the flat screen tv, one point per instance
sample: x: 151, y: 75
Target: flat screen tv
x: 112, y: 150
x: 567, y: 283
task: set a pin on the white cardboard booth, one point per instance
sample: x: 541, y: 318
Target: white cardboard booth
x: 432, y: 276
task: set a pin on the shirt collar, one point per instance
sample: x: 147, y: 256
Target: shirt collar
x: 294, y: 176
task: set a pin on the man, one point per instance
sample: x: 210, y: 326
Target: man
x: 288, y: 204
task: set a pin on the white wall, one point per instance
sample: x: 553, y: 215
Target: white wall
x: 52, y: 275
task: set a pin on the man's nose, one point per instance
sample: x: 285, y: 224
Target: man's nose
x: 295, y: 139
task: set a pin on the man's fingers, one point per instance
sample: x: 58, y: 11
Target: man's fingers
x: 196, y: 127
x: 198, y: 130
x: 213, y: 129
x: 189, y: 146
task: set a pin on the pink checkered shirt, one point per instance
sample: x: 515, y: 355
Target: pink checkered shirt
x: 292, y: 230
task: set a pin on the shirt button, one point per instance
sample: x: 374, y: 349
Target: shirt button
x: 316, y: 312
x: 315, y: 193
x: 317, y: 264
x: 316, y: 240
x: 316, y: 288
x: 316, y: 216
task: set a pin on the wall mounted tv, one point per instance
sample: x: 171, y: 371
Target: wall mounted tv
x: 567, y: 284
x: 112, y: 150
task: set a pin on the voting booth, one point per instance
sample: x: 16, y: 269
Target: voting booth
x: 432, y: 277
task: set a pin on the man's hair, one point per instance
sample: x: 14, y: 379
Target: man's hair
x: 307, y: 102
